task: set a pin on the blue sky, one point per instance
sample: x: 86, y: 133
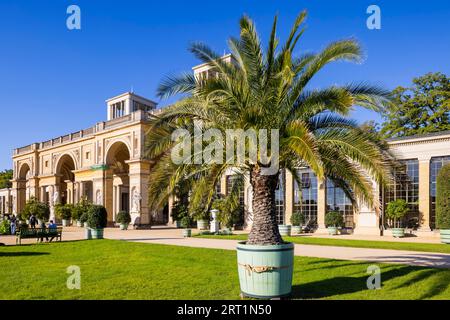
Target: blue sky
x: 55, y: 81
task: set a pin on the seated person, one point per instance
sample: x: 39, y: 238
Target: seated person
x: 52, y: 230
x: 42, y: 231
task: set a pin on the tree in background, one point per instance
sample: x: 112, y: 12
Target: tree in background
x: 5, y: 177
x: 422, y: 108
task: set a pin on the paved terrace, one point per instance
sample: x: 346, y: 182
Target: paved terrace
x: 170, y: 236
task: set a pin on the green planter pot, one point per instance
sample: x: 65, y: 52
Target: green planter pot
x: 202, y: 224
x: 332, y: 231
x: 265, y: 272
x: 187, y: 233
x: 296, y: 229
x: 398, y: 232
x: 87, y: 234
x: 284, y: 230
x: 97, y: 233
x: 445, y: 236
x: 124, y: 226
x: 178, y: 224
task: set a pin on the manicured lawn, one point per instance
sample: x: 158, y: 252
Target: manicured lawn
x: 123, y: 270
x: 408, y: 246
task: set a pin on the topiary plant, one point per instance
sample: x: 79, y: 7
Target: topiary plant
x: 297, y: 219
x: 443, y: 198
x: 123, y: 217
x: 31, y: 207
x: 396, y: 210
x: 334, y: 219
x: 84, y: 217
x: 63, y: 211
x: 80, y: 209
x: 5, y: 227
x: 42, y: 211
x: 97, y: 217
x: 186, y: 222
x: 179, y: 210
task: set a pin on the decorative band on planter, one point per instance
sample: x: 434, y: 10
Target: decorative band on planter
x: 265, y: 272
x: 332, y: 231
x: 284, y: 230
x: 296, y: 229
x: 398, y: 232
x: 202, y: 224
x: 97, y: 233
x: 187, y: 233
x: 445, y: 236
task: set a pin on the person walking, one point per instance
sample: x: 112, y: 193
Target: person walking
x: 33, y: 221
x: 13, y: 225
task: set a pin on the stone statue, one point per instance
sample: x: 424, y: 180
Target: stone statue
x: 99, y: 198
x: 55, y: 197
x: 136, y: 201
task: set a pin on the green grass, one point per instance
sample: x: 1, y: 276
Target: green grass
x: 124, y: 270
x: 408, y: 246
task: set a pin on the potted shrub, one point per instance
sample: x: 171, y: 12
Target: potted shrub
x: 297, y: 220
x: 84, y: 221
x: 186, y: 224
x: 333, y: 221
x: 77, y: 212
x: 42, y: 212
x: 63, y: 212
x: 97, y: 220
x: 124, y: 219
x: 395, y: 211
x: 443, y: 203
x: 31, y: 206
x: 179, y: 210
x: 203, y: 219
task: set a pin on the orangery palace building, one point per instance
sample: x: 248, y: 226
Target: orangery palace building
x: 105, y: 163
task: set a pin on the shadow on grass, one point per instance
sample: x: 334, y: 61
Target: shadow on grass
x: 149, y: 239
x: 336, y: 286
x: 22, y: 254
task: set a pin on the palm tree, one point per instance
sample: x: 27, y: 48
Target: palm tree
x: 269, y: 90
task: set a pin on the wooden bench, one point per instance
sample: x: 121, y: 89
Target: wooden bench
x: 38, y: 233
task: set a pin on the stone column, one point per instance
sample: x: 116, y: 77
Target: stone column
x: 367, y: 220
x: 321, y: 206
x: 139, y: 173
x: 55, y: 198
x: 171, y: 202
x: 289, y: 204
x: 424, y: 195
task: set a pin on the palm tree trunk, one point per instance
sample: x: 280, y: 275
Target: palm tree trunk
x: 265, y: 229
